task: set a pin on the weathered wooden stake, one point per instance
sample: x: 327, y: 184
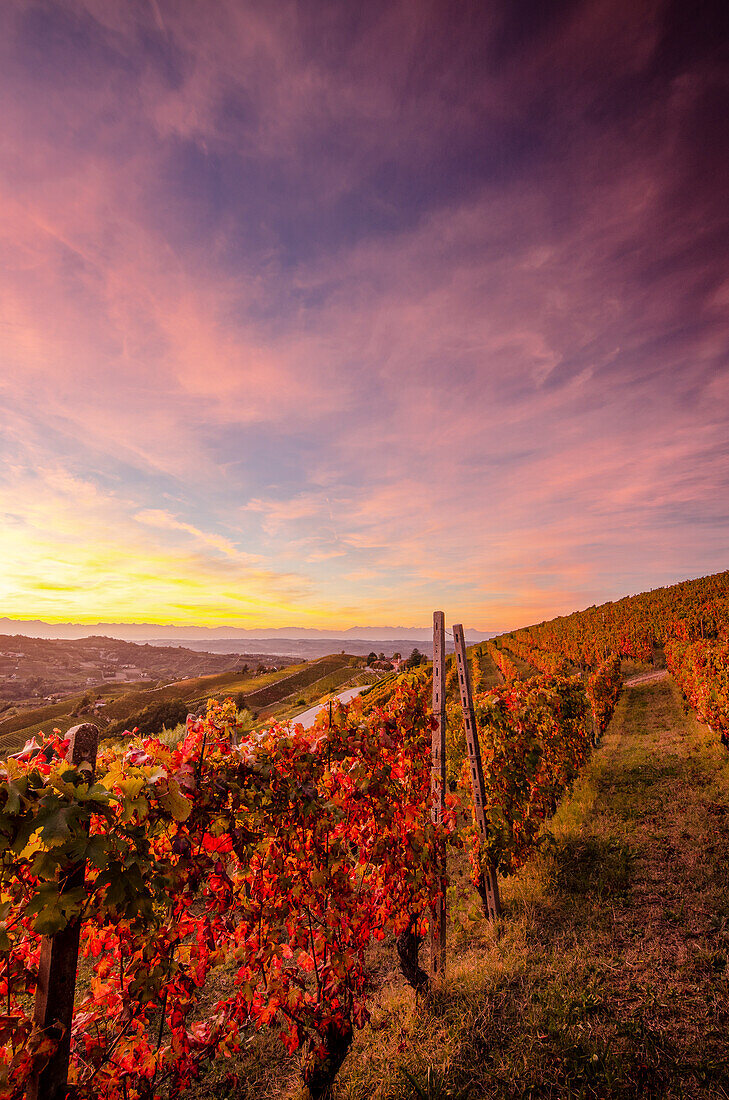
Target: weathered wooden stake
x: 438, y: 775
x: 489, y: 888
x: 59, y: 957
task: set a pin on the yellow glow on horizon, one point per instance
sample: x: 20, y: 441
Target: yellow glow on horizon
x: 88, y: 583
x: 71, y: 554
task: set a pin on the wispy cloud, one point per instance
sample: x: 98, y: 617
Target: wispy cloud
x: 361, y: 313
x: 163, y: 521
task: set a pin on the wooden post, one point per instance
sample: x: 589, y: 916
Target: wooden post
x: 59, y: 957
x: 489, y: 888
x: 437, y: 787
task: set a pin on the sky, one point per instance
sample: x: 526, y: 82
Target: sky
x: 328, y: 313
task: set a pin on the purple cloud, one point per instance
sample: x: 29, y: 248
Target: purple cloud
x: 411, y: 303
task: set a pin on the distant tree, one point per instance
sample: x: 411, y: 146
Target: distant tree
x: 415, y: 659
x: 381, y: 656
x: 240, y: 701
x: 371, y: 656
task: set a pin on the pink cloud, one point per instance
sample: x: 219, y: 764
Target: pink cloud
x: 434, y: 314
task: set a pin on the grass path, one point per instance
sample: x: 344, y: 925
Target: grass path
x: 608, y: 975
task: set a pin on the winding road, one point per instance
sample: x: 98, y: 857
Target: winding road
x: 308, y: 717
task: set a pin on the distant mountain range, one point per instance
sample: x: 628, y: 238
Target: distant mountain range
x: 296, y: 641
x: 311, y: 648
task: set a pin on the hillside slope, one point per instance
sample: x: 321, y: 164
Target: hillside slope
x: 608, y: 975
x: 276, y: 694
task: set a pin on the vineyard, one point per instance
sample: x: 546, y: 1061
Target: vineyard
x: 273, y: 694
x: 248, y: 886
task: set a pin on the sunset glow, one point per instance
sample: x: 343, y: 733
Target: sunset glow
x: 330, y: 314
